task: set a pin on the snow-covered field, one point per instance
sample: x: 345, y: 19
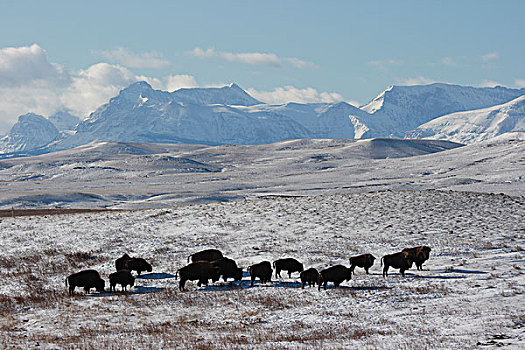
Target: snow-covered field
x: 470, y: 295
x: 319, y: 201
x: 132, y: 176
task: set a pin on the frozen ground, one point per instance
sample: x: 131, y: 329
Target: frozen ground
x: 470, y: 295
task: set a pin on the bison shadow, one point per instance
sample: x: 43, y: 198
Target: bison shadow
x: 145, y: 290
x: 246, y: 284
x: 155, y: 276
x: 134, y: 290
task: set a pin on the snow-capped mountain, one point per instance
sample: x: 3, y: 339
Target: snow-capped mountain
x: 228, y: 115
x: 402, y: 108
x: 477, y: 125
x: 30, y: 132
x: 212, y: 116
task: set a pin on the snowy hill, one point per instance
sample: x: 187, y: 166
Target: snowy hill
x: 402, y: 108
x: 127, y: 175
x: 477, y: 125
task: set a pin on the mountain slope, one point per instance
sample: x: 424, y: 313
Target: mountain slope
x: 402, y: 108
x: 30, y: 132
x: 228, y: 115
x: 477, y: 125
x: 208, y: 116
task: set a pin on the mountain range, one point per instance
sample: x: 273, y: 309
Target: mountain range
x: 229, y: 115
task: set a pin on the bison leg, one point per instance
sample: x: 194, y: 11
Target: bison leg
x: 71, y: 289
x: 352, y: 268
x: 366, y: 269
x: 385, y: 270
x: 277, y: 273
x: 289, y: 274
x: 402, y: 272
x: 253, y: 279
x: 182, y: 282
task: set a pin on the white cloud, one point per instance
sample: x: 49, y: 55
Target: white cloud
x: 384, y: 64
x: 286, y: 94
x: 253, y: 58
x: 175, y: 82
x: 416, y: 81
x: 490, y: 56
x: 127, y: 58
x: 29, y: 65
x: 520, y: 83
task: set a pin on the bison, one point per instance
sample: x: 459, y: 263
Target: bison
x: 206, y: 255
x: 336, y: 274
x: 137, y: 264
x: 365, y: 261
x: 122, y: 277
x: 402, y: 261
x: 420, y: 255
x: 311, y: 276
x: 87, y: 279
x: 120, y: 263
x: 228, y: 268
x: 288, y: 264
x: 262, y: 270
x: 201, y: 271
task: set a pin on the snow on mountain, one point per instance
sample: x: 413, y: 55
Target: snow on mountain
x: 228, y: 115
x: 226, y: 95
x: 402, y: 108
x: 223, y: 116
x: 30, y: 132
x: 64, y: 120
x: 477, y: 125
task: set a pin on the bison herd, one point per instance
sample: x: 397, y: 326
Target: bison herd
x: 210, y: 264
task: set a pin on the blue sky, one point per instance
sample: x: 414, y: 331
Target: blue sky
x: 77, y: 54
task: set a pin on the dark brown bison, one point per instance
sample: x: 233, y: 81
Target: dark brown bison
x: 201, y: 271
x: 228, y: 268
x: 262, y: 270
x: 311, y: 276
x: 420, y: 255
x: 206, y: 255
x: 336, y: 274
x: 137, y: 264
x: 87, y: 279
x: 365, y: 261
x: 120, y: 263
x: 122, y: 277
x: 287, y: 264
x: 402, y: 261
